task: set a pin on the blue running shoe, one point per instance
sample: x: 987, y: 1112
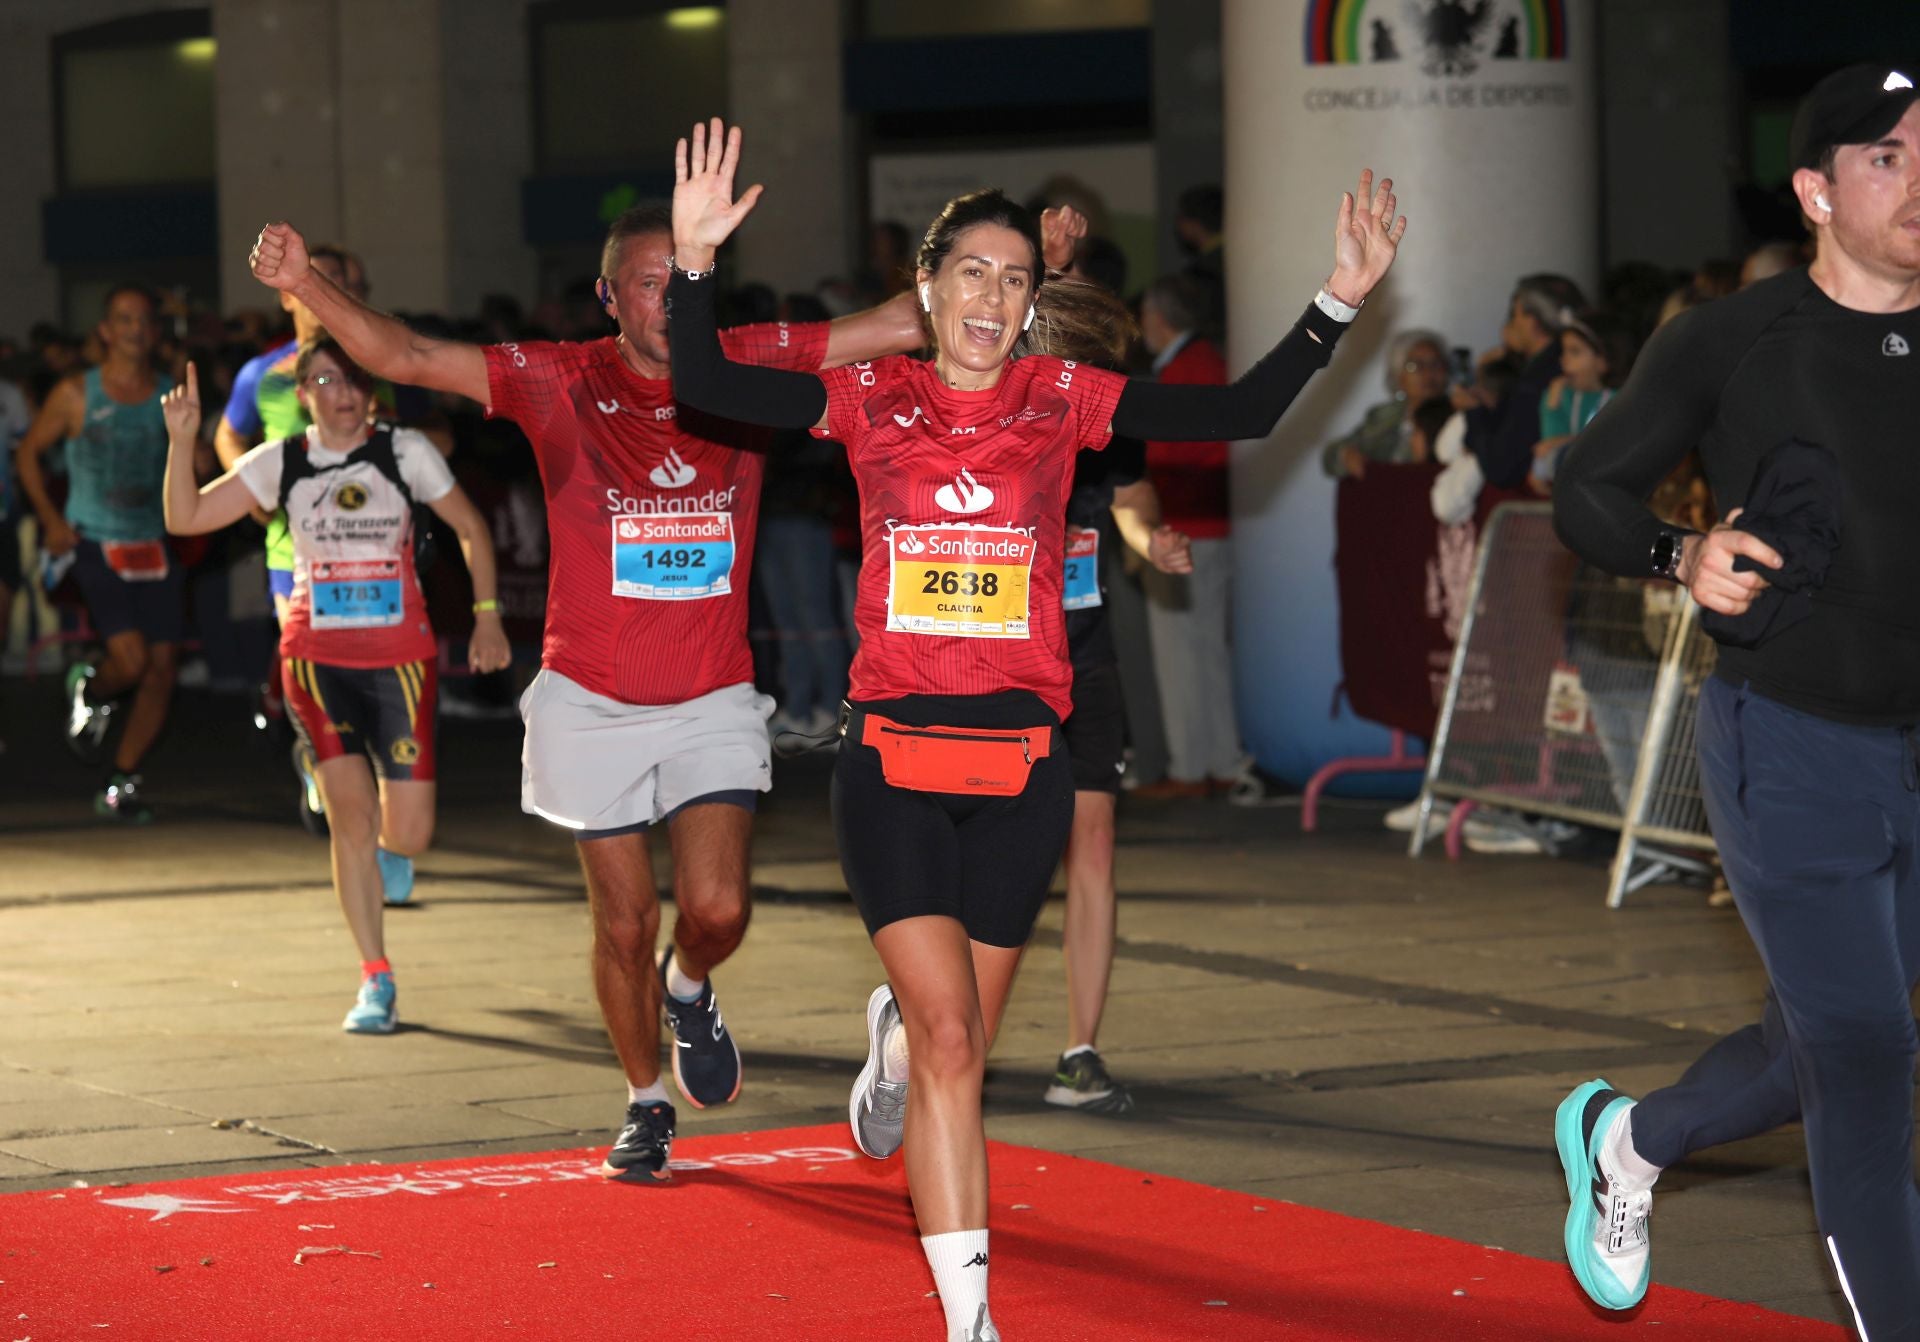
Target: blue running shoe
x: 706, y: 1064
x: 396, y: 876
x: 1606, y: 1236
x: 374, y: 1010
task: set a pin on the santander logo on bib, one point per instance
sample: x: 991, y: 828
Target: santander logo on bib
x: 964, y: 495
x: 673, y: 473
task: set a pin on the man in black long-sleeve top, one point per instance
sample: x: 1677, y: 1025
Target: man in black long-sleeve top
x: 1806, y: 736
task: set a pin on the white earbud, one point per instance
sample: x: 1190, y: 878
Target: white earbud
x: 1027, y: 325
x: 926, y: 297
x: 1821, y: 201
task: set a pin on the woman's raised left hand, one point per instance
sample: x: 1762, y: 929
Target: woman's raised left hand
x: 1364, y: 240
x: 705, y: 212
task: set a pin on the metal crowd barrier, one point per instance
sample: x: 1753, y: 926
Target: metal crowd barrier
x: 1572, y: 698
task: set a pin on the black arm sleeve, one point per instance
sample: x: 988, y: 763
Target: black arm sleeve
x: 706, y: 379
x: 1249, y: 408
x: 1666, y: 408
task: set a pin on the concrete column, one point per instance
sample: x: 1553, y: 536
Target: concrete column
x: 783, y: 84
x: 488, y: 130
x: 276, y: 90
x: 1495, y: 159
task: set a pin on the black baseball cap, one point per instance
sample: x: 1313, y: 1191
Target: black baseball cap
x: 1857, y: 105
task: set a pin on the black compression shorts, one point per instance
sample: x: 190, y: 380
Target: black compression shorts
x: 1097, y: 731
x: 986, y: 861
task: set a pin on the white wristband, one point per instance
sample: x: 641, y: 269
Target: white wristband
x: 1334, y: 308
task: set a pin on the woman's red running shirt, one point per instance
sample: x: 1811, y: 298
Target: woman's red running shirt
x: 963, y: 500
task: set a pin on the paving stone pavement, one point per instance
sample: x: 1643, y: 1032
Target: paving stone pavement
x: 1314, y: 1018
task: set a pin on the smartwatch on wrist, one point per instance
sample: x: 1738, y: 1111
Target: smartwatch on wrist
x: 1668, y: 547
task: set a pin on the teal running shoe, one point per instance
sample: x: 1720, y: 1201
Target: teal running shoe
x: 396, y: 876
x: 87, y: 722
x: 1606, y: 1236
x: 374, y: 1010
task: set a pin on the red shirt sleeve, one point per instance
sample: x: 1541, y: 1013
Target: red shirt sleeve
x: 798, y: 346
x: 525, y: 381
x: 1093, y: 393
x: 848, y: 388
x: 1198, y: 364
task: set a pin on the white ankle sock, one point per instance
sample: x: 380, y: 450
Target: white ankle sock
x: 1078, y: 1048
x: 654, y: 1094
x: 1624, y: 1165
x: 682, y: 987
x: 959, y: 1263
x: 893, y: 1055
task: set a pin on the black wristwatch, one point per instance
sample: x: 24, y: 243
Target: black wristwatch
x: 1668, y: 546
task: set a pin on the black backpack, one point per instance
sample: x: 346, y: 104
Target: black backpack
x: 296, y: 465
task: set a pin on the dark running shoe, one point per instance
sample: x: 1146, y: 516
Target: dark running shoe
x: 706, y: 1064
x: 640, y: 1151
x: 119, y: 801
x: 1081, y: 1082
x: 313, y: 808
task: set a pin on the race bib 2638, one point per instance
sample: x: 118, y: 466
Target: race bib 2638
x: 959, y: 580
x: 672, y: 557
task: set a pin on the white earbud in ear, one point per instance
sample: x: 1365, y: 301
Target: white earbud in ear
x: 1027, y: 325
x: 926, y: 298
x: 1821, y: 201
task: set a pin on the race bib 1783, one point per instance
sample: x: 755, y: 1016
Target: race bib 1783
x: 672, y: 557
x: 959, y: 580
x: 356, y: 594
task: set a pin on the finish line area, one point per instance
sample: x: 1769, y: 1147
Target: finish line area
x: 1368, y: 1047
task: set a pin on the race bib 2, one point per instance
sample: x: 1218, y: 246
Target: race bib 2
x: 356, y: 594
x: 673, y: 557
x: 958, y: 580
x: 1080, y: 584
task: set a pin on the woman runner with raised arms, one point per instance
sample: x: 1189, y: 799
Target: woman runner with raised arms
x: 952, y: 792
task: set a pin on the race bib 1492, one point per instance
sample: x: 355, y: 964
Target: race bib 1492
x: 672, y: 557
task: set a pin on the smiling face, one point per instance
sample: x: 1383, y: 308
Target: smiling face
x: 337, y: 400
x: 639, y: 288
x: 979, y: 300
x: 1873, y: 200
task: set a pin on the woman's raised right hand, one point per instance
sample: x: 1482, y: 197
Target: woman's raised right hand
x: 705, y: 212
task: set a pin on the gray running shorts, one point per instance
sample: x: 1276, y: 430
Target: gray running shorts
x: 593, y: 763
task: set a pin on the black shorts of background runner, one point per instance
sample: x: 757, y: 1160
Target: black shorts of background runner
x: 986, y: 861
x: 385, y: 711
x: 1097, y: 731
x: 156, y: 608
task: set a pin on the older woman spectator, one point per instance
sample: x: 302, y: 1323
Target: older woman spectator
x: 1416, y: 372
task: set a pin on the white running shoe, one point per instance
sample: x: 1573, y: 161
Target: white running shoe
x: 1402, y: 819
x: 877, y: 1109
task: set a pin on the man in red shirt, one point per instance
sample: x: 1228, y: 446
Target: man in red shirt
x: 1188, y: 613
x: 644, y: 711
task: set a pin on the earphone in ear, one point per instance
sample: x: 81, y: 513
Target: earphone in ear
x: 605, y: 291
x: 1821, y: 201
x: 1027, y: 325
x: 926, y: 298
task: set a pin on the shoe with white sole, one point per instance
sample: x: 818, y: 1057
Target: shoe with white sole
x: 877, y: 1108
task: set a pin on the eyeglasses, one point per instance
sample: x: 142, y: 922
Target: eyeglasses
x: 332, y: 380
x: 1424, y: 366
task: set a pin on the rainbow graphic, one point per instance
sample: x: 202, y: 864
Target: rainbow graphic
x: 1336, y: 35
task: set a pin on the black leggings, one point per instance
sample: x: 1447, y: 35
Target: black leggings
x: 986, y: 861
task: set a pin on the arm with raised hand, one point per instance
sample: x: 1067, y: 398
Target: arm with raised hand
x: 191, y: 510
x: 381, y: 344
x: 1366, y: 238
x: 705, y: 214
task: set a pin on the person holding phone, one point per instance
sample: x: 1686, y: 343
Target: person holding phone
x: 1417, y: 371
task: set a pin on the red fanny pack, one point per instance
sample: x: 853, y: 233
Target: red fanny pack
x: 977, y: 761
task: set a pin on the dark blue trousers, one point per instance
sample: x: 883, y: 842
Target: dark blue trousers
x: 1818, y: 826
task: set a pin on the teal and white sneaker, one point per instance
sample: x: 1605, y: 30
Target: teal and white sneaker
x: 396, y: 876
x: 87, y: 722
x: 1606, y: 1236
x: 313, y: 807
x: 375, y: 1009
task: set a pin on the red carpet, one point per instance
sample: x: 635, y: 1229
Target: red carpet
x: 777, y: 1235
